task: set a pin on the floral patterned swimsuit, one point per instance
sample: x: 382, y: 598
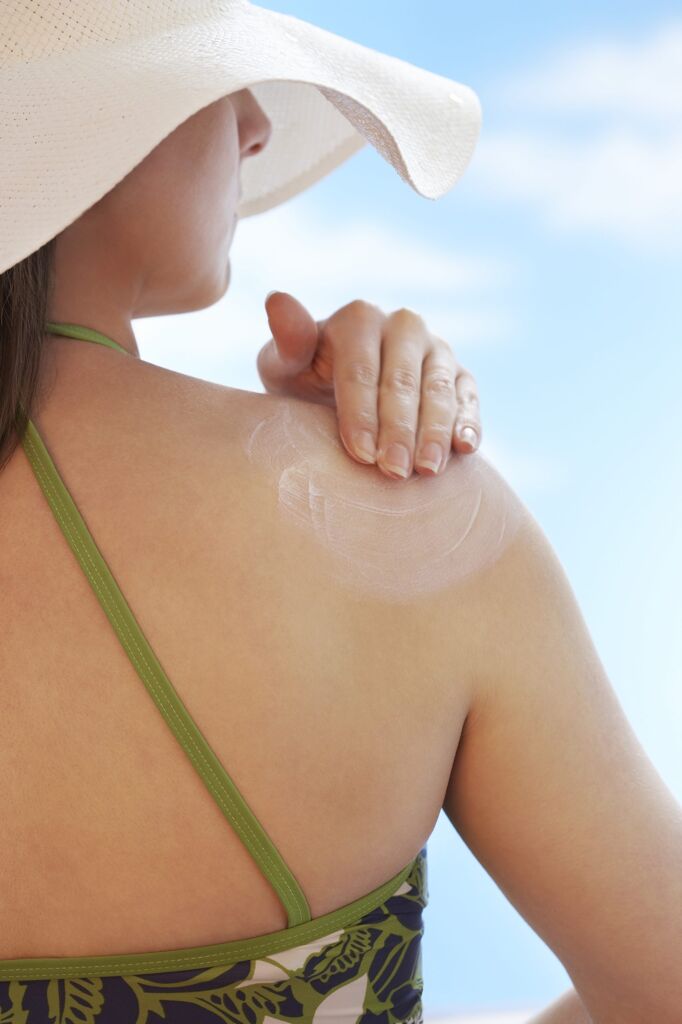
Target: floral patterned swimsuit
x: 359, y: 964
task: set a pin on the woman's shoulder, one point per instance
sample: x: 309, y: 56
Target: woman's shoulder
x: 276, y: 464
x: 268, y: 476
x: 397, y: 541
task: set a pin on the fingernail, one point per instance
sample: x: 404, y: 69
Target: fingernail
x: 469, y: 435
x: 430, y: 456
x: 270, y: 293
x: 364, y: 446
x: 398, y: 459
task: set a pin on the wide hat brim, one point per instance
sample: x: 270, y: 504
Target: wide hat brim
x: 74, y: 122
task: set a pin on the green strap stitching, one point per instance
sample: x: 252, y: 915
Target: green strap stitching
x: 217, y: 954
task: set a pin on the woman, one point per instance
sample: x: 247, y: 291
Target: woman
x: 358, y: 653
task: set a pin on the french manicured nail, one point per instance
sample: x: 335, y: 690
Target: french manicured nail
x: 364, y: 446
x: 398, y: 459
x: 430, y: 456
x: 469, y: 435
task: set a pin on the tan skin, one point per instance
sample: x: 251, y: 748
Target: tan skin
x: 126, y: 258
x: 152, y: 263
x: 486, y: 699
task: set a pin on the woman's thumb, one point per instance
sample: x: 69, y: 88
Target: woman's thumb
x: 294, y: 331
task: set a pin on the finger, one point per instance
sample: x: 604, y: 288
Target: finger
x: 437, y: 409
x: 355, y: 339
x: 404, y: 343
x: 292, y: 346
x: 280, y: 376
x: 467, y: 432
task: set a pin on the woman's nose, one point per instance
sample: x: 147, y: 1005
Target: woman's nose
x: 255, y: 127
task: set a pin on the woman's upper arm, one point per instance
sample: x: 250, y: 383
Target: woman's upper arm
x: 555, y: 796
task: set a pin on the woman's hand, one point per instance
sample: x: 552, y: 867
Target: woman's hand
x: 388, y: 377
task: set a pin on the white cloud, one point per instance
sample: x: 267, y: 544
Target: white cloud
x: 525, y: 472
x: 326, y: 264
x: 623, y: 179
x: 619, y: 184
x: 354, y: 256
x: 641, y: 78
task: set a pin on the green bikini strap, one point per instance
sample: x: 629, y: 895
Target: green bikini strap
x: 83, y: 334
x: 217, y: 781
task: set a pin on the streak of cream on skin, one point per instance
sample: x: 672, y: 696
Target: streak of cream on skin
x: 395, y: 539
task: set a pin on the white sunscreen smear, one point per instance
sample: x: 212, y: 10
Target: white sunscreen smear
x: 395, y: 539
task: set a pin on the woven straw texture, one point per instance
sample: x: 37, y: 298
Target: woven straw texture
x: 88, y: 89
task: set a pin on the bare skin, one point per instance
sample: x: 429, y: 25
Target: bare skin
x: 347, y: 721
x: 127, y: 257
x: 188, y: 550
x: 360, y: 725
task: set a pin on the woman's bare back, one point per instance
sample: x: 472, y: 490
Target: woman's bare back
x: 334, y: 712
x: 346, y: 715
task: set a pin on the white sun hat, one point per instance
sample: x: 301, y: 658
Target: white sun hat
x: 89, y: 87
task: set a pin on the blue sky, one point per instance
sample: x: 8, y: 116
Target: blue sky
x: 553, y: 268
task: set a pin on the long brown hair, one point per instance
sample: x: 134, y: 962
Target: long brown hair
x: 24, y: 300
